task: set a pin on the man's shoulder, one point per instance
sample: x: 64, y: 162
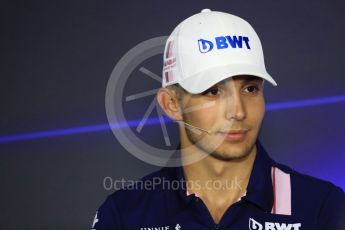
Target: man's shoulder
x: 136, y: 197
x: 304, y: 181
x: 317, y: 197
x: 306, y: 189
x: 137, y: 192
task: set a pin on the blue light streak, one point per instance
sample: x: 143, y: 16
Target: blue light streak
x: 305, y: 103
x: 155, y: 121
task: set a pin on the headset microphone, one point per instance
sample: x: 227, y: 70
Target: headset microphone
x: 179, y: 121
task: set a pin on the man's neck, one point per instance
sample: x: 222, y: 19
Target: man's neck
x: 212, y: 169
x: 217, y: 182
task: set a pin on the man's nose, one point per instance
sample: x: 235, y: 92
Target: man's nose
x: 235, y: 108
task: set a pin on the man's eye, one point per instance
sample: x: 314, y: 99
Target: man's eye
x: 251, y: 89
x: 212, y: 92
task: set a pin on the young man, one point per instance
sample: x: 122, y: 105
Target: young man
x: 213, y: 82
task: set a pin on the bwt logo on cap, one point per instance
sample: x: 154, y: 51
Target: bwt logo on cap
x: 223, y: 42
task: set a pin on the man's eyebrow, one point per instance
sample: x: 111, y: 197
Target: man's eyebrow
x: 244, y: 80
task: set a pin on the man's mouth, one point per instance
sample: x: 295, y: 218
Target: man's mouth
x: 234, y: 135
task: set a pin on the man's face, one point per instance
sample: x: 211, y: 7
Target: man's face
x: 233, y: 105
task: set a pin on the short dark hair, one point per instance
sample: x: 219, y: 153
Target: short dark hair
x: 178, y: 89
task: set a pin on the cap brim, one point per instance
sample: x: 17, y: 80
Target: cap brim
x: 200, y: 82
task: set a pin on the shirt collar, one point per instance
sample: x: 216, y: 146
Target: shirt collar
x: 259, y: 189
x: 177, y: 199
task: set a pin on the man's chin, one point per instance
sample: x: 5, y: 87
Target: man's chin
x: 228, y: 156
x: 232, y: 153
x: 221, y: 149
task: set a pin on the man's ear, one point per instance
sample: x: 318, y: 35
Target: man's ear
x: 169, y: 103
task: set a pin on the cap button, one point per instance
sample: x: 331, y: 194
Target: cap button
x: 205, y: 10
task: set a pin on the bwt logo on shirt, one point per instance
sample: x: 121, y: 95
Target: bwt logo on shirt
x: 223, y: 42
x: 254, y: 225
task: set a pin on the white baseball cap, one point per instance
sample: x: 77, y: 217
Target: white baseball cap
x: 209, y: 47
